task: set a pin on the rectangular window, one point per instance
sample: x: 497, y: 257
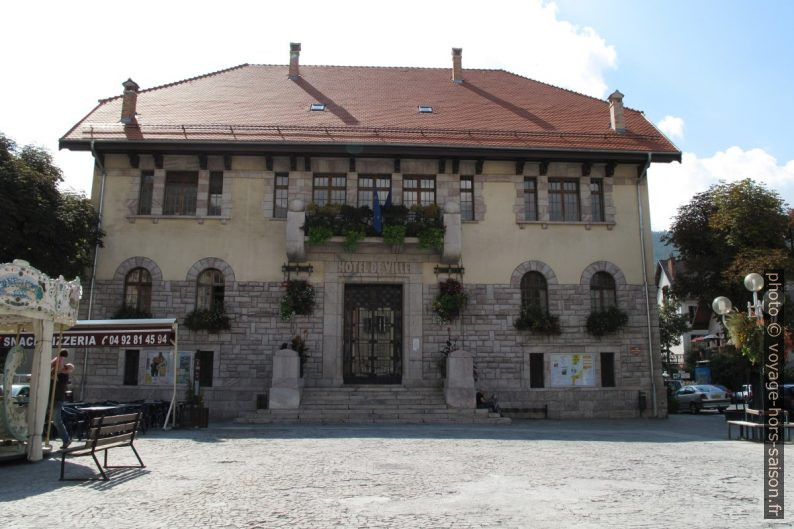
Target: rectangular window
x: 467, y: 198
x: 145, y: 194
x: 607, y: 370
x: 281, y: 196
x: 329, y: 189
x: 204, y: 365
x: 368, y: 184
x: 530, y: 199
x: 536, y: 369
x: 419, y: 190
x: 180, y: 193
x: 564, y: 200
x: 131, y: 362
x: 215, y: 197
x: 597, y: 200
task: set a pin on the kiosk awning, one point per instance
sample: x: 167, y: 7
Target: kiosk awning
x: 107, y: 333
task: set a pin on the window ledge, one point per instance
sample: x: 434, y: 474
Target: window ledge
x: 546, y: 223
x: 198, y: 218
x: 365, y: 240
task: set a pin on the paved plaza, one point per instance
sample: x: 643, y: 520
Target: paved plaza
x: 680, y: 472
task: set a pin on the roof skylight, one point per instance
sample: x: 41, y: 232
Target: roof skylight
x: 317, y: 107
x: 425, y: 109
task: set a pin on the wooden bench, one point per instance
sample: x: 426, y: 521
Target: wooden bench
x: 110, y: 431
x: 753, y: 424
x: 522, y: 413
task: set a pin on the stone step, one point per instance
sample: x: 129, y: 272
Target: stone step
x: 373, y: 404
x: 373, y: 419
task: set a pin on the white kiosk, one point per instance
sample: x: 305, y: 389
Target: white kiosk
x: 31, y: 302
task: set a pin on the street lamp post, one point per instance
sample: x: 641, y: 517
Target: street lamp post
x: 754, y: 283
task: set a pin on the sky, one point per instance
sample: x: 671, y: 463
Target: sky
x: 717, y: 77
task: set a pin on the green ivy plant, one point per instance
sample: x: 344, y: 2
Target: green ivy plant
x: 450, y: 301
x: 537, y: 320
x: 606, y: 322
x: 210, y: 320
x: 431, y: 238
x: 394, y: 236
x: 128, y: 312
x: 320, y: 234
x: 298, y: 299
x: 353, y: 236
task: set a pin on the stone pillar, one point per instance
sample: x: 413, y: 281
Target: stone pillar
x: 285, y: 390
x: 453, y: 237
x: 39, y: 387
x: 296, y: 218
x: 459, y: 390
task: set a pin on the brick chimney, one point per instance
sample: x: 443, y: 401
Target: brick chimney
x: 129, y: 102
x: 457, y: 68
x: 616, y: 112
x: 294, y: 55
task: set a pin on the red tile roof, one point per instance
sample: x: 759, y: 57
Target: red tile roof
x: 370, y: 105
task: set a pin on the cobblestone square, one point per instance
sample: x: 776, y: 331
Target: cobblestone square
x: 680, y: 472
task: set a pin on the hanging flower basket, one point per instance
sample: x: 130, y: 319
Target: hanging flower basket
x: 606, y: 322
x: 298, y: 300
x: 210, y: 320
x: 538, y: 321
x: 450, y: 301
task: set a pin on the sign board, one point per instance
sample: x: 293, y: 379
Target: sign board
x: 572, y: 369
x: 103, y: 338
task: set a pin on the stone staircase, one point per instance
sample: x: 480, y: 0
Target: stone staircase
x: 373, y: 404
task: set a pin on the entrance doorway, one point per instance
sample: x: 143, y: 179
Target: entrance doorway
x: 373, y: 330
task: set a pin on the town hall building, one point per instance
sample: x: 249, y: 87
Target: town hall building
x: 386, y: 217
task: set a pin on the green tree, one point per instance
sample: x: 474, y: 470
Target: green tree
x: 53, y: 230
x: 672, y: 325
x: 725, y: 233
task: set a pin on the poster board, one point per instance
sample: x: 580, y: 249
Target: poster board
x: 572, y: 370
x: 158, y: 368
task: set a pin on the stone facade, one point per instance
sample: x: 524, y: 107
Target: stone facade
x: 248, y: 248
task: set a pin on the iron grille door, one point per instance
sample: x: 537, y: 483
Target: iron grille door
x: 373, y: 334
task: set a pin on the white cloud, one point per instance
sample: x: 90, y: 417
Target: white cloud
x: 526, y: 38
x: 673, y: 185
x: 672, y: 126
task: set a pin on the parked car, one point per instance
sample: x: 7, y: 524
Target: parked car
x: 702, y: 397
x: 745, y: 394
x: 728, y: 393
x: 19, y: 391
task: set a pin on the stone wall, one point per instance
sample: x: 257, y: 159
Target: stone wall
x: 243, y: 356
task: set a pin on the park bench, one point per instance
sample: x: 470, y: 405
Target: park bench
x: 110, y: 431
x: 751, y: 426
x: 525, y: 413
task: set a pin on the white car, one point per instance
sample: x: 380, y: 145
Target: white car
x: 702, y: 397
x: 745, y: 394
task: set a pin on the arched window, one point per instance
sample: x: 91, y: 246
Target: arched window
x: 602, y: 292
x: 138, y: 289
x: 209, y: 291
x: 534, y: 291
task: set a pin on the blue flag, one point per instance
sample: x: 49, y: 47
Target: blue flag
x: 387, y: 204
x: 377, y: 217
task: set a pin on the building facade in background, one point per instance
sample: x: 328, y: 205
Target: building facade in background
x: 541, y: 193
